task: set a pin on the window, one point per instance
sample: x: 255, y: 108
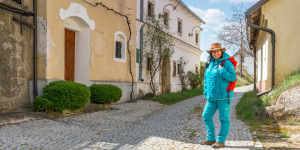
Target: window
x: 137, y: 55
x: 179, y: 26
x: 179, y: 68
x: 242, y: 58
x: 120, y: 47
x: 196, y: 69
x: 197, y: 38
x: 18, y: 1
x: 166, y: 18
x: 150, y: 9
x: 174, y: 68
x: 149, y: 62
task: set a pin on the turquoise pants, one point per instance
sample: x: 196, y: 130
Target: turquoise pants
x: 208, y: 113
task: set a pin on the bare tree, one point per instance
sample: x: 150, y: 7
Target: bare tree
x: 234, y: 33
x: 183, y: 76
x: 158, y: 45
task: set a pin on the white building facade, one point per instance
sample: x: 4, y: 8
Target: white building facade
x: 248, y: 62
x: 185, y: 28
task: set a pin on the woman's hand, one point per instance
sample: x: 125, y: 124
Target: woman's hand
x: 220, y: 66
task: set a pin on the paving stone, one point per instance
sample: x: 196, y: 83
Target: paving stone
x: 143, y: 125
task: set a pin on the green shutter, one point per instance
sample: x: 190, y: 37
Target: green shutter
x: 137, y: 55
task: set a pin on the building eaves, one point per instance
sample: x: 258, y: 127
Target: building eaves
x: 255, y: 7
x: 189, y: 10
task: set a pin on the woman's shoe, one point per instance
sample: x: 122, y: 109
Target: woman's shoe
x: 205, y: 142
x: 218, y: 145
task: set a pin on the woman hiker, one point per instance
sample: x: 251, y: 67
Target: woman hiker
x: 216, y: 80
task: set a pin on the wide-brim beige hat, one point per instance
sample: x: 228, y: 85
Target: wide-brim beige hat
x: 216, y: 46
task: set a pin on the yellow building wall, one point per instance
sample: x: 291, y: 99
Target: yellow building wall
x: 283, y: 17
x: 107, y: 23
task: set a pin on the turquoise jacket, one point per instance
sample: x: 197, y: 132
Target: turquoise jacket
x: 217, y: 80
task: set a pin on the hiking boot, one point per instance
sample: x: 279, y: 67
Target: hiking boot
x: 218, y: 145
x: 205, y: 142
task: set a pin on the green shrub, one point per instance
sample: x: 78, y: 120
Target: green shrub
x: 149, y: 95
x: 195, y: 79
x: 66, y: 95
x: 105, y: 94
x: 41, y: 104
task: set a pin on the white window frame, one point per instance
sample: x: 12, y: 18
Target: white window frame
x: 124, y: 47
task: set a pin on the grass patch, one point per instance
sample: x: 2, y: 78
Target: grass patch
x: 248, y: 110
x: 172, y: 98
x: 247, y: 79
x: 283, y: 135
x: 290, y: 81
x: 292, y: 123
x: 261, y: 136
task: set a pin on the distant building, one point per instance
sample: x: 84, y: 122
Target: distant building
x: 247, y: 61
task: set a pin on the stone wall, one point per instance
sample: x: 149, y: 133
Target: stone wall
x: 15, y: 59
x: 286, y: 106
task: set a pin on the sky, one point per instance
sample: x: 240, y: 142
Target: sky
x: 214, y: 14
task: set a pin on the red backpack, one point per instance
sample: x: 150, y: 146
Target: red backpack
x: 231, y: 85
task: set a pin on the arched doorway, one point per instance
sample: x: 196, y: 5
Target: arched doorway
x: 77, y: 43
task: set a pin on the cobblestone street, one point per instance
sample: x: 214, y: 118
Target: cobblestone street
x: 142, y: 125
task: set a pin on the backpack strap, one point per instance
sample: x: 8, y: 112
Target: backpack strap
x: 223, y: 62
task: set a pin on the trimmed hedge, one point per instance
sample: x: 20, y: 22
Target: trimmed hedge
x: 65, y: 95
x: 105, y: 94
x: 41, y: 104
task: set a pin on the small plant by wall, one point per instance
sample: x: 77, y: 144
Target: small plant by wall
x: 105, y: 94
x: 62, y: 95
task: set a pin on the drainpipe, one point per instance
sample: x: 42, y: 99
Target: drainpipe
x: 273, y: 52
x: 35, y: 49
x: 141, y: 41
x: 254, y: 88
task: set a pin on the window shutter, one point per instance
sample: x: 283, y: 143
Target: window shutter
x: 118, y: 49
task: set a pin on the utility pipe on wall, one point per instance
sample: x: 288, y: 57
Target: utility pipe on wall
x: 273, y: 52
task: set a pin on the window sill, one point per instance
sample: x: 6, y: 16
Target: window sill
x: 120, y: 60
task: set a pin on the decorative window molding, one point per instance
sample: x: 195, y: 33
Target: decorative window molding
x: 120, y: 47
x: 77, y: 10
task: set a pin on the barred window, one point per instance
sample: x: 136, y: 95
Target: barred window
x: 118, y: 49
x: 174, y: 68
x: 179, y: 30
x: 197, y: 38
x: 150, y: 9
x: 18, y: 1
x: 149, y: 62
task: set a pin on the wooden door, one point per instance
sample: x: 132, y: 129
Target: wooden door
x: 69, y: 55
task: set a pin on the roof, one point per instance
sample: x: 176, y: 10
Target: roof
x: 190, y: 11
x: 256, y: 6
x: 246, y: 53
x: 253, y: 14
